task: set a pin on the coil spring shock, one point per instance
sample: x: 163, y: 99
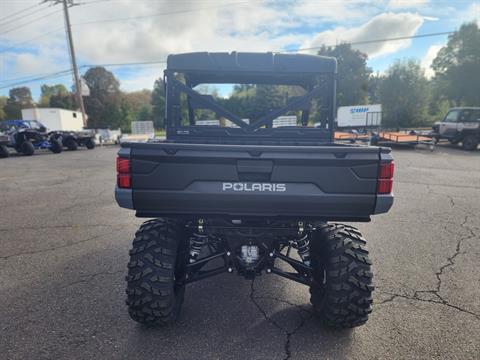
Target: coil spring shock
x: 303, y: 248
x: 302, y: 244
x: 197, y: 242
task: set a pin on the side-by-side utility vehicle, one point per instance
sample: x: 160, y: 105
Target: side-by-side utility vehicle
x: 25, y: 136
x: 240, y: 193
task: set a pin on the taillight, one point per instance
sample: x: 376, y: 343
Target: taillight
x: 385, y: 178
x: 124, y: 177
x: 123, y: 165
x: 124, y: 181
x: 386, y: 171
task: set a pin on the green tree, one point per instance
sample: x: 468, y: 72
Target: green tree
x: 353, y: 74
x: 457, y: 67
x: 19, y: 98
x: 374, y: 82
x: 66, y: 101
x: 3, y: 103
x: 267, y: 98
x: 136, y: 107
x: 158, y: 104
x: 104, y: 105
x: 49, y: 91
x: 144, y: 113
x: 405, y: 94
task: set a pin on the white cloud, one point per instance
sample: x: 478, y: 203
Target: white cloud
x: 427, y: 60
x: 387, y: 25
x: 473, y: 13
x: 334, y: 11
x: 191, y: 26
x: 407, y: 4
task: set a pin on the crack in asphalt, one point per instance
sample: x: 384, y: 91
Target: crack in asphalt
x: 452, y: 201
x: 415, y: 297
x: 288, y: 334
x: 450, y: 262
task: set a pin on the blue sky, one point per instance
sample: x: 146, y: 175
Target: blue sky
x: 32, y: 43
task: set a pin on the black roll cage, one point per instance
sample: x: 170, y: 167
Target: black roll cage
x: 317, y: 85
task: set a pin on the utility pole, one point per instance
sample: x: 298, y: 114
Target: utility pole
x: 78, y: 85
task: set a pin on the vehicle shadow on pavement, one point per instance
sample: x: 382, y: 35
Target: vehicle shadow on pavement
x: 222, y: 318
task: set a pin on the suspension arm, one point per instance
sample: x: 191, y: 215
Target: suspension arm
x: 197, y: 265
x: 292, y: 276
x: 297, y: 265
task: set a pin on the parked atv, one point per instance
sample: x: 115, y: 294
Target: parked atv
x: 73, y: 139
x: 3, y: 146
x: 25, y: 136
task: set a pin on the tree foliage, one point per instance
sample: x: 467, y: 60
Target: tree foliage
x: 157, y: 100
x: 136, y: 106
x: 353, y: 74
x: 3, y: 103
x: 457, y: 67
x: 103, y: 104
x: 19, y: 98
x: 48, y: 91
x: 404, y: 95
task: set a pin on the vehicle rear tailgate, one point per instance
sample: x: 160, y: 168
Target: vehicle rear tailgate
x: 331, y: 182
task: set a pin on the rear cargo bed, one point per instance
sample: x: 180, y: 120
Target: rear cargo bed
x: 330, y: 182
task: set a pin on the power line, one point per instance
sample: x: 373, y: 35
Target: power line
x: 92, y: 2
x: 15, y: 45
x: 52, y: 75
x: 126, y: 64
x: 159, y: 14
x: 30, y: 22
x: 19, y: 12
x: 375, y: 41
x: 25, y: 77
x: 23, y: 16
x: 295, y: 50
x: 38, y: 77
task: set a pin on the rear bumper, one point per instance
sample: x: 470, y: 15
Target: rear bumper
x: 329, y: 207
x: 124, y: 197
x: 319, y: 206
x: 383, y: 204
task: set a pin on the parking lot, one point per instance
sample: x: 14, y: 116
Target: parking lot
x: 64, y: 248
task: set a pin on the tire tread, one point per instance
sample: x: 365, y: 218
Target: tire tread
x: 346, y: 299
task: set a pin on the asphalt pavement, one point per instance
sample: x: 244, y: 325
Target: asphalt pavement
x: 64, y: 248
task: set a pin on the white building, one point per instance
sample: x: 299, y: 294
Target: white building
x: 55, y: 119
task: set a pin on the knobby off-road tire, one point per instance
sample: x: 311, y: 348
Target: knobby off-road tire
x: 71, y: 144
x: 157, y: 266
x: 342, y: 290
x: 90, y: 144
x: 27, y: 148
x: 55, y: 146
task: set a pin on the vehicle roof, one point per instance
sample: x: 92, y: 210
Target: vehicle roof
x: 251, y: 68
x: 251, y: 62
